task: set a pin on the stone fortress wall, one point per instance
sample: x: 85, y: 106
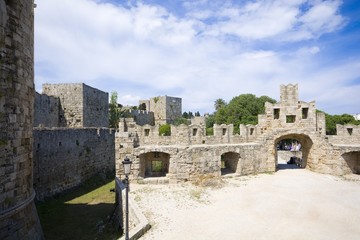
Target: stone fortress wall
x: 18, y: 216
x: 65, y: 157
x: 189, y: 153
x: 143, y: 117
x: 71, y: 140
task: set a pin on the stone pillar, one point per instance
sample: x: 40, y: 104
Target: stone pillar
x: 18, y: 216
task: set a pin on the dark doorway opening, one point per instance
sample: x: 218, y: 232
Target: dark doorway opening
x: 352, y: 159
x: 229, y: 162
x: 154, y: 164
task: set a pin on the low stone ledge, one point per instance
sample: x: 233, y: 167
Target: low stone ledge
x: 142, y: 225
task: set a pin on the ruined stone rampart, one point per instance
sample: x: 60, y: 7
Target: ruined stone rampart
x: 64, y: 157
x: 188, y: 153
x: 18, y: 216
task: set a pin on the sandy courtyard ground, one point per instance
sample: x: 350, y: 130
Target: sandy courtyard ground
x: 289, y: 204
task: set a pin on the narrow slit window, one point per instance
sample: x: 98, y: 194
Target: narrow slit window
x: 305, y: 112
x: 251, y: 131
x: 224, y: 131
x: 147, y: 132
x: 194, y: 131
x: 350, y: 131
x: 276, y: 113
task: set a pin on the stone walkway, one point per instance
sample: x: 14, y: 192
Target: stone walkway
x: 289, y: 204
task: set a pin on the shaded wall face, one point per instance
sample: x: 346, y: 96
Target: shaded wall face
x: 46, y: 112
x: 95, y: 108
x: 65, y: 158
x: 352, y: 159
x: 71, y: 103
x: 18, y: 217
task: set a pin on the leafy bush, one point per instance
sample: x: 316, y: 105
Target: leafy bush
x: 181, y: 120
x: 165, y: 130
x: 332, y: 120
x: 209, y: 131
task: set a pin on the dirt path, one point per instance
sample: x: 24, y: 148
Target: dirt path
x: 289, y: 204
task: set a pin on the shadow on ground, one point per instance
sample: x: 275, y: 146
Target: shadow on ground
x: 82, y: 213
x: 284, y: 166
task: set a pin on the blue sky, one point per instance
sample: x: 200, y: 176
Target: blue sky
x: 202, y: 50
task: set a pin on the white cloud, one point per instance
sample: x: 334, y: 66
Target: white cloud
x: 144, y: 50
x: 262, y: 19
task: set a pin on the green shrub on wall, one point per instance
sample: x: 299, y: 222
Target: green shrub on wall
x: 210, y: 131
x: 165, y: 130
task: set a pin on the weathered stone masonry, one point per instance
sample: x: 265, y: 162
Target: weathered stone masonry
x: 188, y: 153
x: 18, y: 216
x: 66, y: 156
x: 79, y: 105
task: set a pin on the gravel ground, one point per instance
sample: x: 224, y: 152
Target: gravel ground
x: 288, y: 204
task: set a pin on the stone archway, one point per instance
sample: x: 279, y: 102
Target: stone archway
x: 229, y: 162
x: 352, y: 159
x: 299, y: 156
x: 154, y: 164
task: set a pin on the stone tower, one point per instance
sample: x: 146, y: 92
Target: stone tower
x: 166, y: 109
x: 289, y: 94
x: 18, y: 216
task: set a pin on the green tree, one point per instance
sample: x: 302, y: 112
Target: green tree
x: 209, y: 123
x: 142, y: 106
x: 332, y: 120
x: 219, y: 103
x: 181, y: 120
x: 114, y: 111
x: 243, y: 109
x: 165, y: 130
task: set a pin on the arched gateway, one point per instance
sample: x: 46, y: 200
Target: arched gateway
x: 292, y: 149
x: 258, y: 148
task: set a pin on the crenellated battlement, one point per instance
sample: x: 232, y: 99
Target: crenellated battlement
x: 255, y: 146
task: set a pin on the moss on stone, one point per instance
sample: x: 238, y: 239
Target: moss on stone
x: 3, y: 142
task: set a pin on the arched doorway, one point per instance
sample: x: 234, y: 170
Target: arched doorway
x: 154, y: 164
x: 229, y: 162
x: 352, y: 159
x: 292, y: 151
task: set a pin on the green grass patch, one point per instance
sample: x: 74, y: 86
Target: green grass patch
x: 83, y: 213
